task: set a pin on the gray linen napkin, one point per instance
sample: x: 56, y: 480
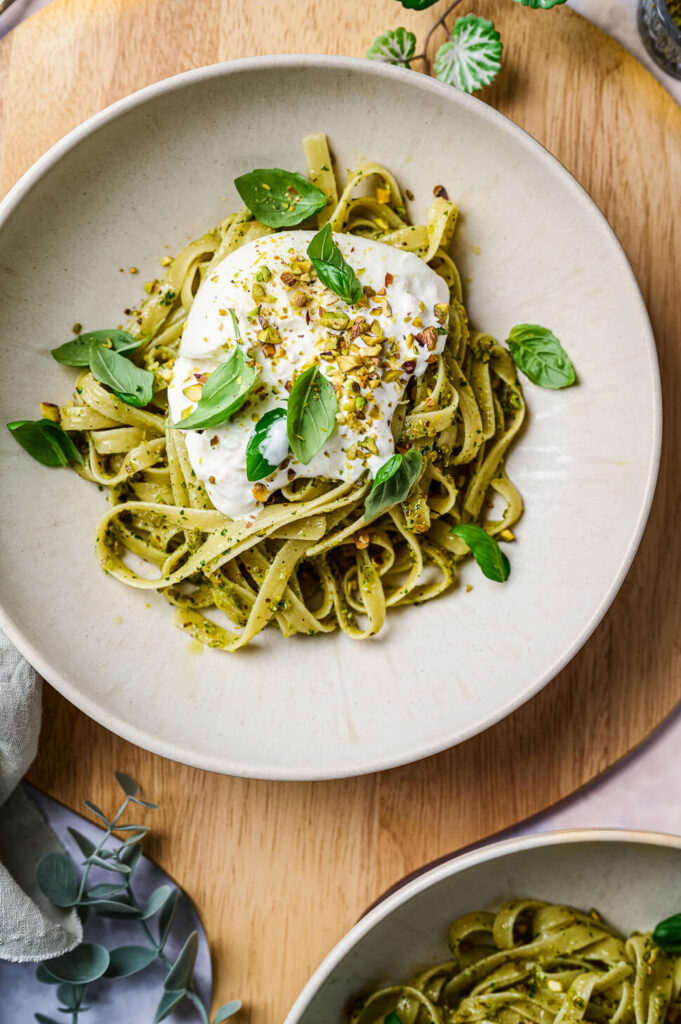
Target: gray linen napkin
x: 31, y: 928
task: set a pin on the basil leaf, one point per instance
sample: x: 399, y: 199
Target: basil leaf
x: 279, y: 199
x: 473, y: 58
x: 226, y: 391
x: 667, y: 934
x: 77, y: 352
x: 311, y: 415
x: 332, y: 269
x: 486, y: 552
x: 264, y: 441
x: 392, y: 482
x: 396, y: 46
x: 45, y: 441
x: 392, y: 1018
x: 417, y: 5
x: 538, y: 353
x: 127, y: 381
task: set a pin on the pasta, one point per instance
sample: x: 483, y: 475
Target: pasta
x: 536, y: 963
x: 308, y: 563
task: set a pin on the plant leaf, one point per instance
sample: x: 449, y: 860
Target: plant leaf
x: 396, y: 46
x: 311, y: 415
x: 116, y: 908
x: 110, y: 865
x: 85, y: 845
x: 473, y: 58
x: 45, y: 441
x: 144, y: 803
x: 417, y: 5
x: 42, y: 1019
x: 42, y: 976
x: 392, y: 1018
x: 267, y: 446
x: 180, y: 974
x: 538, y: 353
x: 486, y: 552
x: 227, y: 1010
x: 166, y: 917
x: 127, y: 960
x: 331, y: 268
x: 279, y: 199
x: 135, y: 837
x: 224, y: 393
x: 82, y: 965
x: 545, y: 5
x: 169, y: 1001
x: 157, y: 899
x: 70, y: 995
x: 127, y: 784
x: 130, y: 856
x: 98, y: 813
x: 128, y: 382
x: 393, y: 481
x: 106, y: 889
x: 667, y: 934
x: 57, y: 877
x: 77, y: 351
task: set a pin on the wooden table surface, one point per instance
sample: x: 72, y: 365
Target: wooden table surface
x: 280, y: 870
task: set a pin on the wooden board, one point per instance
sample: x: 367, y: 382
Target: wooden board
x: 280, y: 871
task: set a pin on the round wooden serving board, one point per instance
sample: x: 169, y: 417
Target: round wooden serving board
x: 279, y: 871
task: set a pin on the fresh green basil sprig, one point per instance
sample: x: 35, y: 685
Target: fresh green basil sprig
x: 224, y: 393
x: 311, y: 414
x: 331, y: 268
x: 667, y: 934
x: 118, y: 852
x: 77, y: 351
x: 541, y: 357
x: 486, y: 552
x: 127, y: 381
x: 392, y: 482
x: 45, y: 441
x: 279, y: 199
x: 257, y: 465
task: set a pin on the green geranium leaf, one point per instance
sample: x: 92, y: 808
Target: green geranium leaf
x: 128, y: 382
x: 545, y: 5
x: 539, y: 354
x: 486, y: 552
x: 472, y: 60
x: 332, y: 269
x: 267, y: 446
x: 45, y: 441
x: 226, y: 1011
x: 82, y: 965
x: 127, y: 960
x: 57, y: 877
x: 279, y: 199
x: 77, y: 351
x: 225, y: 391
x: 311, y: 415
x: 392, y: 482
x: 396, y: 46
x: 180, y: 974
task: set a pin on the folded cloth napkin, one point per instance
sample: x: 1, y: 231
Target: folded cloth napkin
x: 31, y: 928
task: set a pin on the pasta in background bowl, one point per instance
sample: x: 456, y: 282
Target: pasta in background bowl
x: 323, y: 706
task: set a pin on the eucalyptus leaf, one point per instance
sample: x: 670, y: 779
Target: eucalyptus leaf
x: 127, y: 960
x: 541, y: 357
x: 144, y: 803
x: 82, y: 965
x: 224, y: 393
x: 129, y: 857
x: 180, y: 974
x: 311, y: 415
x: 157, y: 899
x: 128, y: 785
x: 331, y: 268
x: 97, y: 811
x: 135, y: 837
x: 57, y: 877
x: 128, y: 382
x: 267, y: 439
x: 42, y: 1019
x: 169, y: 1001
x: 486, y: 552
x: 104, y: 890
x: 42, y: 976
x: 85, y: 845
x: 396, y: 46
x: 473, y: 58
x: 116, y: 908
x: 109, y: 864
x: 392, y: 483
x: 166, y: 917
x: 279, y: 199
x: 226, y: 1011
x: 667, y: 934
x: 45, y: 441
x: 70, y: 996
x: 77, y: 351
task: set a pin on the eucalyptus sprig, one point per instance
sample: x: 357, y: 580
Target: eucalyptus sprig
x: 469, y: 59
x: 118, y: 852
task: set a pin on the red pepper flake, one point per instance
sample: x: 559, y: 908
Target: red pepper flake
x: 388, y: 280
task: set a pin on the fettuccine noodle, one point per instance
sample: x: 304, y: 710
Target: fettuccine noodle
x: 536, y: 963
x: 308, y: 563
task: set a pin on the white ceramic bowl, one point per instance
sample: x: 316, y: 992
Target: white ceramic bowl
x: 632, y: 878
x: 157, y: 168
